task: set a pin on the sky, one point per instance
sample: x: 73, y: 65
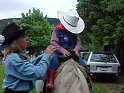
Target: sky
x: 14, y: 8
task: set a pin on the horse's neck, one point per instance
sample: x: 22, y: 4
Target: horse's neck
x: 70, y: 79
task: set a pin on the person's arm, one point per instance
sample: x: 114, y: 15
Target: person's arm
x: 26, y: 70
x: 55, y: 42
x: 36, y: 60
x: 78, y: 45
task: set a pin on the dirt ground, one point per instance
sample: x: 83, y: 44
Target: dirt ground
x: 109, y: 86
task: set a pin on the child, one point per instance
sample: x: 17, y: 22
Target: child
x: 65, y: 39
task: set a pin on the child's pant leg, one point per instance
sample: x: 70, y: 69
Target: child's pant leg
x: 81, y: 62
x: 54, y: 61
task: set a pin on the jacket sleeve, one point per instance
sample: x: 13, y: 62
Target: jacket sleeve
x: 27, y: 71
x: 55, y: 42
x: 78, y: 45
x: 36, y: 60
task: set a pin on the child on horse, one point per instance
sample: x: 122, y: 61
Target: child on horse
x: 65, y: 39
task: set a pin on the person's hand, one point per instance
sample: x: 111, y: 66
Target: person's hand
x: 66, y: 53
x: 76, y: 51
x: 50, y: 49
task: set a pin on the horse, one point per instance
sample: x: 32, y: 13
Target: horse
x: 70, y: 77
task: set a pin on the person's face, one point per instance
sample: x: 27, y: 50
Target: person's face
x: 23, y: 41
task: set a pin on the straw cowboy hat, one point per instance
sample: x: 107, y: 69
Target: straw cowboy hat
x: 71, y: 21
x: 12, y: 32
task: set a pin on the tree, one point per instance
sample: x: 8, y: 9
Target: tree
x: 39, y: 33
x: 104, y: 21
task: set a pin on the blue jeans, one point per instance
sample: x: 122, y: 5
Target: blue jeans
x: 54, y: 61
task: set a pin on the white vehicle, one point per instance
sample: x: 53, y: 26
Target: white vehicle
x: 101, y: 63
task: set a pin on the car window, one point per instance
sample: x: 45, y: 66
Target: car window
x: 103, y: 57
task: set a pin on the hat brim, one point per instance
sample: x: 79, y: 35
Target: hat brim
x: 15, y: 35
x: 77, y: 29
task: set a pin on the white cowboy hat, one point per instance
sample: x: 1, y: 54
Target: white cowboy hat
x: 71, y: 21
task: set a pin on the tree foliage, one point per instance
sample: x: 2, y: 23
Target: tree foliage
x: 104, y: 21
x: 39, y: 33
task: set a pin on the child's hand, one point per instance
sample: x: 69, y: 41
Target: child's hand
x: 50, y: 49
x: 66, y: 53
x: 76, y: 51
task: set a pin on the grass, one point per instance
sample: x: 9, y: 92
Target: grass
x: 96, y: 87
x: 1, y: 76
x: 108, y: 87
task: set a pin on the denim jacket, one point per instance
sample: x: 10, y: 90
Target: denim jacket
x: 21, y: 74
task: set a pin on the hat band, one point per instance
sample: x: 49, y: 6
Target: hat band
x: 69, y: 23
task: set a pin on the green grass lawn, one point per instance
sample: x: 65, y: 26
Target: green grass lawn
x: 96, y: 88
x: 1, y: 76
